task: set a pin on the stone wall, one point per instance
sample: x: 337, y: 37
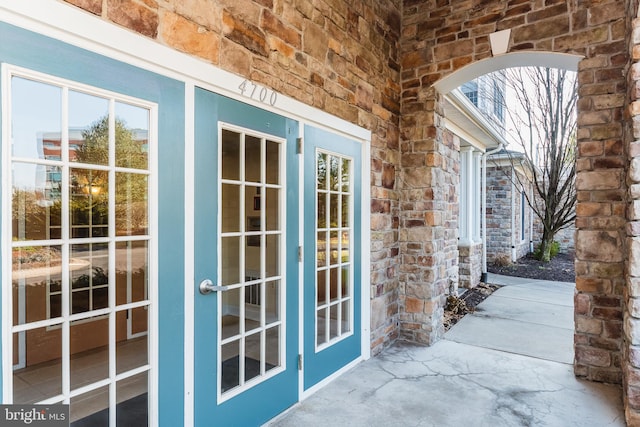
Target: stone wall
x: 470, y: 265
x: 631, y: 355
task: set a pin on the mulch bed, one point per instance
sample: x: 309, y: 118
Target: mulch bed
x: 458, y: 307
x: 560, y: 268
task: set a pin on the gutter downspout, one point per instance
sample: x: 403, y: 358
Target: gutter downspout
x: 513, y: 217
x: 483, y: 276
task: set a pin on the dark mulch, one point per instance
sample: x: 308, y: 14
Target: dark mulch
x: 560, y: 268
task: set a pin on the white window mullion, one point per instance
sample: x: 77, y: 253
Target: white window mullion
x: 66, y: 250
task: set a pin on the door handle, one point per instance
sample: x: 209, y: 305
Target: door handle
x: 207, y: 286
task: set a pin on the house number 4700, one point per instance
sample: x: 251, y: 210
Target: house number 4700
x: 261, y: 93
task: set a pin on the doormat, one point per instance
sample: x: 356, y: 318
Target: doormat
x: 130, y: 413
x: 230, y: 374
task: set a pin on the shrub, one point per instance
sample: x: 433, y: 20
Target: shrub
x: 555, y: 250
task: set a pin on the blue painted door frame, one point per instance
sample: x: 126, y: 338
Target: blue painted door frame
x: 272, y: 396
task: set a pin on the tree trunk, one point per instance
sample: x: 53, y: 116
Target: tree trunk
x: 544, y: 251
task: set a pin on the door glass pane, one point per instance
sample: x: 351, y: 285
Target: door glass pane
x: 334, y: 331
x: 132, y: 136
x: 132, y: 348
x: 273, y: 255
x: 90, y: 408
x: 272, y: 209
x: 36, y: 202
x: 322, y: 209
x: 321, y: 295
x: 334, y: 285
x: 230, y: 208
x: 346, y: 316
x: 272, y: 348
x: 89, y: 203
x: 334, y: 173
x: 132, y: 400
x: 89, y: 342
x: 321, y: 171
x: 230, y: 367
x: 36, y: 119
x: 252, y: 152
x: 322, y: 244
x: 36, y: 283
x: 230, y: 155
x: 230, y: 256
x: 132, y: 271
x: 252, y: 360
x: 272, y: 302
x: 273, y: 162
x: 37, y: 373
x: 131, y: 204
x: 231, y: 313
x: 89, y: 266
x: 346, y: 175
x: 88, y: 128
x: 321, y: 326
x: 252, y: 310
x: 334, y: 209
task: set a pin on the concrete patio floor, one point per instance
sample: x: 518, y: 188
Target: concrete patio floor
x: 507, y: 364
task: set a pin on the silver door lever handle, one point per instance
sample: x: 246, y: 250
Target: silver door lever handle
x: 207, y: 286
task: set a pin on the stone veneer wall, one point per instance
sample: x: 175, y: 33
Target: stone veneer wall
x: 470, y: 265
x: 341, y: 57
x: 498, y: 213
x: 442, y: 36
x: 503, y: 218
x: 631, y: 353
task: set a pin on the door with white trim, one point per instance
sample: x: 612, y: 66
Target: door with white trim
x: 246, y: 243
x: 92, y: 233
x: 77, y: 167
x: 332, y: 261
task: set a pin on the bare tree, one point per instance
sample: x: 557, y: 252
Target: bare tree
x: 540, y: 109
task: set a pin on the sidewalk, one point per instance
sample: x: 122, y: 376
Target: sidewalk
x: 507, y: 364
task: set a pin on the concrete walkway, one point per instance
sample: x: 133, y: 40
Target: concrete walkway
x: 507, y: 364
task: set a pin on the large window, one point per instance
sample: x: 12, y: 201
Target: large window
x: 79, y: 195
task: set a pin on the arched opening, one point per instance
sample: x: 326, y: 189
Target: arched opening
x: 527, y: 317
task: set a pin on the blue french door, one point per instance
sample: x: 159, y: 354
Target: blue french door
x: 246, y: 264
x: 332, y: 289
x: 92, y: 196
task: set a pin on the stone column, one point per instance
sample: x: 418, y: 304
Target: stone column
x: 428, y: 226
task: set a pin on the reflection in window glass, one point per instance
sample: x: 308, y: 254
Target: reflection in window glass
x: 62, y: 252
x: 88, y: 128
x: 37, y: 200
x: 132, y: 136
x: 333, y: 248
x: 36, y: 127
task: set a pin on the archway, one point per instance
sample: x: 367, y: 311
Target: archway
x: 438, y: 55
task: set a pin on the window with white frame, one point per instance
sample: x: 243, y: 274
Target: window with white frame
x: 79, y: 197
